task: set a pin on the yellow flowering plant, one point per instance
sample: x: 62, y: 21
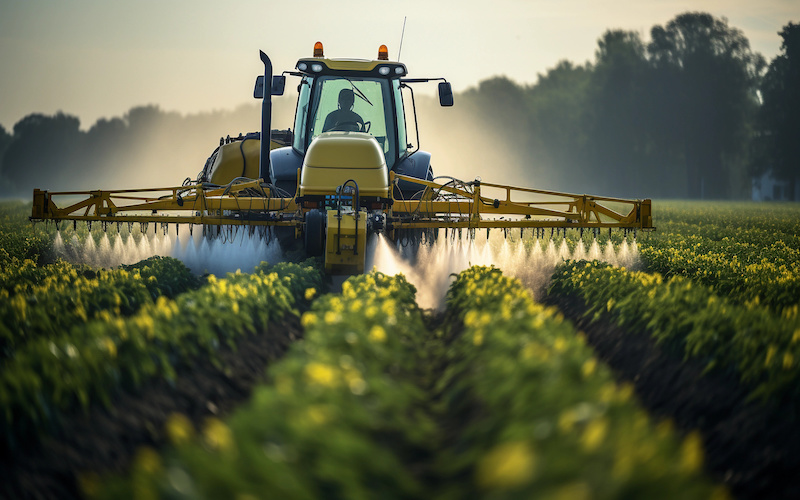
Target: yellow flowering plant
x: 48, y: 301
x: 534, y: 415
x: 754, y: 340
x: 747, y: 252
x: 342, y: 419
x: 52, y: 374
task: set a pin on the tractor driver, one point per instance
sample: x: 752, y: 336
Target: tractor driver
x: 344, y: 118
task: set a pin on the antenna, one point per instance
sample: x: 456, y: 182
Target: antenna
x: 402, y: 34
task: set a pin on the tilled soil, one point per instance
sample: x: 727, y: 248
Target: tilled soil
x: 751, y: 446
x: 105, y: 440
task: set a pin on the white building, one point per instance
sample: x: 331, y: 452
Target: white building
x: 767, y: 188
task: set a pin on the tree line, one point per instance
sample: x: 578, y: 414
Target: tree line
x: 691, y: 113
x: 147, y: 147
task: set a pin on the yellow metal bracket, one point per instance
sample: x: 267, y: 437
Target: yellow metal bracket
x: 246, y: 203
x: 466, y: 207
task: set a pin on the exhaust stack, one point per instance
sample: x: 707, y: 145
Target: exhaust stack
x: 266, y: 119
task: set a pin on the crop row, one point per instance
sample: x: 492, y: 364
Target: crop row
x: 744, y: 251
x: 18, y: 239
x: 341, y: 419
x: 541, y: 417
x: 53, y: 375
x: 759, y: 223
x: 370, y: 404
x: 740, y: 270
x: 39, y: 302
x: 762, y: 346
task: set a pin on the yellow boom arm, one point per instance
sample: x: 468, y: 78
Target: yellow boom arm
x: 439, y: 205
x: 465, y: 207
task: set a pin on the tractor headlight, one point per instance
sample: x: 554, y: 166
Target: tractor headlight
x: 302, y: 66
x: 384, y: 70
x: 316, y: 68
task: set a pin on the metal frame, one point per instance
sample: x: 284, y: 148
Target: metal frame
x: 209, y: 205
x: 580, y: 211
x: 462, y: 207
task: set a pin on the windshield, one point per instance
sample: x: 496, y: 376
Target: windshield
x: 352, y: 104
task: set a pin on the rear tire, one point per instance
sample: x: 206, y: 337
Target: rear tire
x: 315, y: 233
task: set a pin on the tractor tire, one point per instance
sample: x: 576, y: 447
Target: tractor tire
x: 315, y: 233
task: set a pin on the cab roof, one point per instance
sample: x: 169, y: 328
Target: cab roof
x: 313, y: 66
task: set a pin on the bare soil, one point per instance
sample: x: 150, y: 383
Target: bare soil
x: 104, y: 440
x: 752, y: 446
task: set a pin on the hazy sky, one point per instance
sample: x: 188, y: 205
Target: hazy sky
x: 99, y: 58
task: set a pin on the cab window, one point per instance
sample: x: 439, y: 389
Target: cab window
x: 371, y: 108
x: 301, y: 115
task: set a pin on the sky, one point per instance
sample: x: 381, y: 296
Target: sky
x: 94, y: 59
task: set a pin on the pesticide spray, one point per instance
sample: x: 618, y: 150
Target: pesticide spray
x: 431, y: 267
x: 231, y: 250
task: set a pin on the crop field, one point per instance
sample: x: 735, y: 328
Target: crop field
x: 570, y: 367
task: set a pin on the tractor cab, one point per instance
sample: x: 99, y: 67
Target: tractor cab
x: 352, y: 95
x: 352, y: 98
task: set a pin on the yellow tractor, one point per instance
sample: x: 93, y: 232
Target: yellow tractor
x: 345, y: 171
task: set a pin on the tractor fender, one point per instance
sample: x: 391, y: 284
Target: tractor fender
x: 417, y: 165
x: 284, y: 163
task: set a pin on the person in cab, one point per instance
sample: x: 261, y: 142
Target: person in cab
x: 344, y: 118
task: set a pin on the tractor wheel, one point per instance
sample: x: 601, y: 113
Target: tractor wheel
x: 315, y: 233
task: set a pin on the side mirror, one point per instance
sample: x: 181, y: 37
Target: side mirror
x: 258, y: 92
x: 445, y: 94
x: 278, y: 86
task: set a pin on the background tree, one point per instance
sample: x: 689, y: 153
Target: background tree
x: 670, y: 118
x: 617, y: 108
x: 44, y: 150
x: 707, y: 98
x: 780, y: 112
x: 146, y: 147
x: 5, y: 140
x: 558, y: 129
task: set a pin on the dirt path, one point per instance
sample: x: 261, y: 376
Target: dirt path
x: 105, y: 440
x: 752, y: 447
